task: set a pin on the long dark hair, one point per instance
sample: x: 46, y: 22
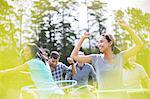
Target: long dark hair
x: 109, y: 38
x: 35, y: 51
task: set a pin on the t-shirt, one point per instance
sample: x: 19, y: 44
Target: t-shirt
x: 42, y: 77
x: 109, y: 76
x: 132, y: 78
x: 39, y: 72
x: 60, y: 70
x: 83, y: 74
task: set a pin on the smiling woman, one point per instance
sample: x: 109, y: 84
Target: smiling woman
x: 107, y: 64
x: 39, y: 72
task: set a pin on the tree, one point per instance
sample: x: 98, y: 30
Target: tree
x: 41, y: 10
x: 9, y: 56
x: 54, y: 27
x: 67, y: 35
x: 47, y: 35
x: 95, y: 21
x: 8, y: 30
x: 138, y: 20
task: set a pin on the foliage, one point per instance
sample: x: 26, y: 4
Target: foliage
x: 95, y: 21
x: 52, y: 27
x: 140, y: 23
x: 7, y: 27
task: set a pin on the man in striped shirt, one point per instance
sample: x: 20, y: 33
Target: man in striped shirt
x: 59, y: 69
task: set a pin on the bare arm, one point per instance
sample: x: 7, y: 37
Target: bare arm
x: 70, y: 61
x: 74, y: 54
x: 138, y: 42
x: 15, y: 69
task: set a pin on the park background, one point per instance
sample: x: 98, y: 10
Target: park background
x: 58, y: 24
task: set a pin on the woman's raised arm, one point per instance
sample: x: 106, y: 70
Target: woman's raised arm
x: 74, y: 54
x: 138, y: 42
x: 15, y: 69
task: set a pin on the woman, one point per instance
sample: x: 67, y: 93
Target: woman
x: 108, y: 65
x: 39, y: 72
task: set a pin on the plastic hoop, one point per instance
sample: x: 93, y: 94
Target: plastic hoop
x: 67, y: 81
x: 31, y: 88
x: 77, y: 89
x: 121, y: 90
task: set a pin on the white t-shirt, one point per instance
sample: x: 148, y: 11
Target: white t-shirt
x: 132, y: 78
x: 109, y: 76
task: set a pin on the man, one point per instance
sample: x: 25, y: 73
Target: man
x: 84, y: 72
x: 83, y: 87
x: 135, y: 77
x: 58, y: 69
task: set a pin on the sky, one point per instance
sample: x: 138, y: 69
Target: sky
x: 144, y: 5
x: 117, y: 4
x: 112, y: 5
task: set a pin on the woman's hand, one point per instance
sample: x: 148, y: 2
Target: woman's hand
x: 123, y: 24
x: 86, y: 35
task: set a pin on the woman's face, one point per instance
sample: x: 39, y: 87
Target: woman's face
x: 103, y: 44
x: 27, y: 52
